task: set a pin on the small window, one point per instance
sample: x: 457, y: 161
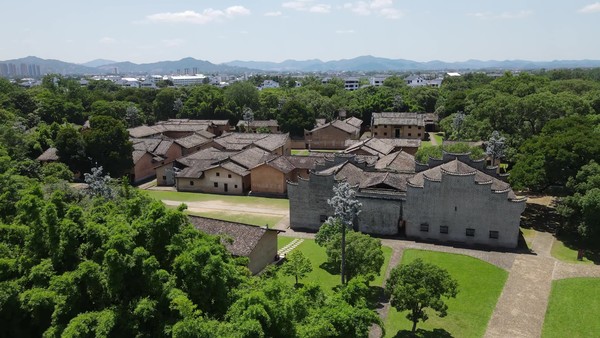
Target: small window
x: 375, y: 133
x: 443, y: 229
x: 235, y: 186
x: 228, y: 175
x: 385, y: 125
x: 376, y: 127
x: 470, y: 232
x: 409, y: 127
x: 191, y: 182
x: 409, y: 134
x: 419, y: 134
x: 424, y: 227
x: 384, y: 134
x: 323, y: 218
x: 494, y: 234
x: 419, y: 127
x: 164, y: 178
x: 216, y: 184
x: 218, y: 174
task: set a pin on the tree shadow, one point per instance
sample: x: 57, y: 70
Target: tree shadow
x: 573, y: 242
x: 540, y: 218
x: 332, y: 268
x: 376, y: 297
x: 421, y: 333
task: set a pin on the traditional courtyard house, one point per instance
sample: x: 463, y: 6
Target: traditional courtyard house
x: 269, y: 177
x: 453, y: 199
x: 398, y: 125
x: 408, y: 145
x: 257, y: 243
x: 165, y: 174
x: 455, y: 202
x: 195, y: 142
x: 149, y: 153
x: 178, y: 128
x: 228, y: 176
x: 278, y: 144
x: 333, y: 135
x: 259, y: 126
x: 371, y: 146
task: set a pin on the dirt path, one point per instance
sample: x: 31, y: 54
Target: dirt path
x: 212, y: 206
x: 433, y: 140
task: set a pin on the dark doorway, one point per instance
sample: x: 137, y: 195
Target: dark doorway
x: 225, y: 187
x: 401, y: 228
x: 397, y: 133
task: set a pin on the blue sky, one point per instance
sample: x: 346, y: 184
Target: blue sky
x: 264, y: 30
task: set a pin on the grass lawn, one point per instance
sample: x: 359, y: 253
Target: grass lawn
x: 425, y: 144
x: 324, y: 278
x: 439, y: 137
x: 529, y: 235
x: 283, y: 241
x: 573, y: 309
x: 564, y: 253
x: 183, y: 197
x: 480, y: 285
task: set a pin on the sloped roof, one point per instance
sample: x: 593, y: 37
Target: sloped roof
x: 344, y: 126
x: 163, y: 147
x: 280, y: 163
x: 210, y: 154
x: 259, y: 123
x: 137, y: 155
x: 251, y: 157
x: 143, y: 131
x: 193, y: 140
x: 235, y: 168
x: 402, y: 142
x: 147, y: 144
x: 398, y: 161
x: 398, y: 119
x: 373, y: 146
x: 305, y: 162
x: 384, y: 180
x: 244, y: 237
x: 51, y: 154
x: 458, y: 168
x: 239, y: 141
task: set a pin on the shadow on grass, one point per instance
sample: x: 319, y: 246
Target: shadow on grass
x: 332, y: 268
x: 573, y: 242
x: 420, y: 333
x: 540, y: 218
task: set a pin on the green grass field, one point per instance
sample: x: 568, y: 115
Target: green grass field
x: 317, y: 257
x: 283, y: 241
x: 480, y: 285
x: 183, y: 197
x: 573, y: 309
x: 564, y: 253
x: 439, y: 137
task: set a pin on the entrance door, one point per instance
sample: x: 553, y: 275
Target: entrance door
x: 397, y: 133
x: 401, y: 228
x: 225, y: 187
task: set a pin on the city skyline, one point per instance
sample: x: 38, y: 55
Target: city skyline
x: 223, y: 31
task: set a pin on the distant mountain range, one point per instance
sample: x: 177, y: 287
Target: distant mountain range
x: 358, y: 64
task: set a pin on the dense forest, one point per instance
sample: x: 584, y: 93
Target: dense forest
x: 110, y: 261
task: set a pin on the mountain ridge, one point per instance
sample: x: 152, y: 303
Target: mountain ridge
x: 365, y: 63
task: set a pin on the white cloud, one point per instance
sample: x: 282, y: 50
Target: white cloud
x: 502, y: 16
x: 277, y: 13
x: 106, y: 40
x: 345, y: 31
x: 384, y: 8
x: 591, y: 8
x: 307, y: 6
x: 208, y: 15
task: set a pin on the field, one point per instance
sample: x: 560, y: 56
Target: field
x: 320, y: 274
x: 573, y: 309
x: 480, y: 285
x: 185, y: 197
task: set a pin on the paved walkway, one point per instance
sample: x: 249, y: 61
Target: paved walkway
x: 433, y: 140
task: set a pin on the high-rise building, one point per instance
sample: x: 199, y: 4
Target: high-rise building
x: 12, y: 69
x: 3, y: 70
x: 23, y: 70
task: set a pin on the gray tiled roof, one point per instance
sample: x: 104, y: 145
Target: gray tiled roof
x: 373, y: 146
x: 137, y: 155
x: 398, y: 162
x: 251, y: 157
x: 305, y: 162
x: 402, y: 142
x: 235, y: 168
x: 51, y: 154
x: 163, y: 147
x: 259, y: 123
x: 239, y: 141
x: 244, y: 237
x: 399, y: 119
x: 143, y: 131
x: 281, y: 163
x: 210, y: 154
x: 459, y: 168
x: 350, y: 125
x: 193, y: 140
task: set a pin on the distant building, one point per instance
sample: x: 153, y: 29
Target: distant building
x: 187, y: 80
x: 269, y: 84
x: 377, y: 81
x: 333, y: 135
x: 351, y: 83
x: 398, y: 125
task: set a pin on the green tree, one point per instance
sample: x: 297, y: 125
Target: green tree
x: 296, y: 265
x: 71, y: 148
x: 295, y: 117
x: 240, y: 95
x: 107, y: 144
x: 417, y: 286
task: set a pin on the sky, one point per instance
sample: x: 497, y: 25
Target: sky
x: 144, y: 31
